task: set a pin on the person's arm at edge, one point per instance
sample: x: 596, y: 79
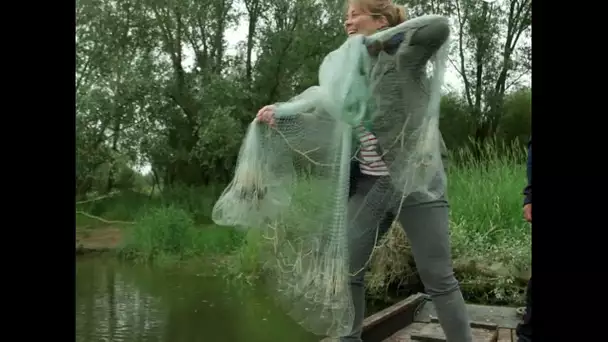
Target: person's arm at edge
x: 528, y: 188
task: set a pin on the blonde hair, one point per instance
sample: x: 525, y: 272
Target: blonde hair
x: 394, y: 14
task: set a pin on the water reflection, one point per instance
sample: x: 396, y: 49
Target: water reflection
x: 123, y: 302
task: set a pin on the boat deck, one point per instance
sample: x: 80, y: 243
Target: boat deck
x: 420, y: 331
x: 415, y: 319
x: 489, y: 323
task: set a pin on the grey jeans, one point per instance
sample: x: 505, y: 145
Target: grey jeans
x: 426, y: 225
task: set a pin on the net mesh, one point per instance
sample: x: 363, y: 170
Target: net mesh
x: 292, y: 180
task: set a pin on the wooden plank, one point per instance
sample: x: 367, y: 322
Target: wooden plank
x: 474, y: 324
x: 504, y: 317
x: 504, y: 335
x: 484, y: 325
x: 513, y: 335
x: 383, y: 324
x: 404, y: 334
x: 393, y: 310
x: 432, y: 332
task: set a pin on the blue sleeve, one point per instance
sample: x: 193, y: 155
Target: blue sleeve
x: 528, y: 189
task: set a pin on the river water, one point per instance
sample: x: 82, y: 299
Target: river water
x: 118, y: 302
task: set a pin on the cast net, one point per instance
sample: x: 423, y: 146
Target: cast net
x: 292, y: 180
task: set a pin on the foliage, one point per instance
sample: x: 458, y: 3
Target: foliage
x: 169, y: 233
x: 166, y: 87
x: 490, y: 240
x: 165, y: 92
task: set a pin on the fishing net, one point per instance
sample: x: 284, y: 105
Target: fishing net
x: 292, y: 179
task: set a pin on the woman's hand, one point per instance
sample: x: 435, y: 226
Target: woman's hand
x: 266, y: 115
x: 528, y: 212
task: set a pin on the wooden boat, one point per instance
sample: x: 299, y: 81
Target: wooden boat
x: 415, y: 319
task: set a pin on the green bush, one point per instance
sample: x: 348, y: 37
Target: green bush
x: 169, y: 233
x: 158, y: 232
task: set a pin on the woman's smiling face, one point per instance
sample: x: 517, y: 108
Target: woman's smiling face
x: 361, y: 22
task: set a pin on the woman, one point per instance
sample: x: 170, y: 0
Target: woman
x: 401, y: 63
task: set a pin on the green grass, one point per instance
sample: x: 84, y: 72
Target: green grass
x: 168, y: 228
x: 487, y: 225
x: 487, y: 229
x: 486, y: 207
x: 169, y: 233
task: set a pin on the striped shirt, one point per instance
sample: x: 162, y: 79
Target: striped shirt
x: 370, y: 161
